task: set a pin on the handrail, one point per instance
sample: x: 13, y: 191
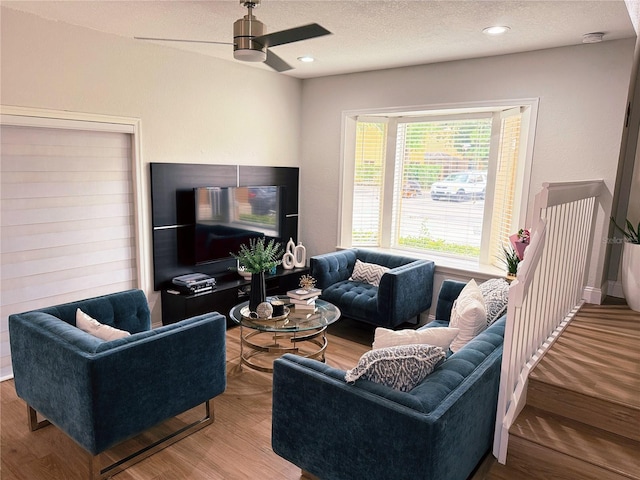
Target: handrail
x: 546, y: 293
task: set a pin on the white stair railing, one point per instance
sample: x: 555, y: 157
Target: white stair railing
x: 547, y: 292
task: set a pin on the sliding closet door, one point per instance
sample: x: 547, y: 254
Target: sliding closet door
x: 68, y: 222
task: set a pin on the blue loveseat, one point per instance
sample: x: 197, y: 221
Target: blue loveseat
x: 440, y: 430
x: 103, y: 392
x: 404, y: 292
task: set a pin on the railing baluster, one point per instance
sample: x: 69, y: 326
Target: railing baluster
x: 547, y: 291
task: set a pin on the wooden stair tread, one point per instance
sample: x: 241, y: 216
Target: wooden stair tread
x: 609, y: 341
x: 615, y: 318
x: 599, y: 412
x: 530, y: 461
x: 597, y: 447
x: 598, y: 355
x: 609, y: 383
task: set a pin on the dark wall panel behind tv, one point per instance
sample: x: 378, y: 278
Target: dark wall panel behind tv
x: 172, y: 205
x: 281, y: 176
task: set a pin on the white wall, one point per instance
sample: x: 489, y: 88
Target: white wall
x: 198, y: 109
x: 582, y: 92
x: 634, y: 202
x: 193, y: 109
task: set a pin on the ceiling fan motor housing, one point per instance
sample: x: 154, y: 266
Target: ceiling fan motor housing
x: 244, y: 30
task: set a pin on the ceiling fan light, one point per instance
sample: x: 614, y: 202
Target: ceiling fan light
x: 248, y: 55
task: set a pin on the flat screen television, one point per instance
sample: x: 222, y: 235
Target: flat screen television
x: 227, y: 217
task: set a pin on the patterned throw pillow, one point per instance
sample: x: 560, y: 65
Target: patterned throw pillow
x: 495, y: 293
x: 468, y: 314
x: 401, y: 368
x: 368, y: 273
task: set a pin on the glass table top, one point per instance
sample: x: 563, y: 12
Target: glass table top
x: 324, y: 314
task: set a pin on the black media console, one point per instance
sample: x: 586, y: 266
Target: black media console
x: 230, y: 290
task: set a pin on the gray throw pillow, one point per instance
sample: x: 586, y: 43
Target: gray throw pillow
x: 495, y: 293
x: 401, y: 368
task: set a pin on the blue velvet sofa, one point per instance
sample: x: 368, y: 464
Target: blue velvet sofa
x: 103, y: 392
x: 440, y: 430
x: 404, y: 292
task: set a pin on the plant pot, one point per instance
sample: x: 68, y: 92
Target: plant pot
x: 630, y: 274
x: 258, y: 292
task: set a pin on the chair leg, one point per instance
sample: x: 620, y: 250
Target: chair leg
x: 96, y: 472
x: 34, y: 424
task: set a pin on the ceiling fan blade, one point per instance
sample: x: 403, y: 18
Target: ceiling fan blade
x: 275, y: 62
x: 292, y: 35
x: 181, y: 40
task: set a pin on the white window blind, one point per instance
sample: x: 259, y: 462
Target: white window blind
x: 68, y: 226
x: 370, y: 147
x: 505, y: 185
x: 441, y: 167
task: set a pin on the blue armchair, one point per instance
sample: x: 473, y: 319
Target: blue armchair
x: 404, y: 292
x: 103, y: 392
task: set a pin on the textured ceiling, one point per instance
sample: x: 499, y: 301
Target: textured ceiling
x: 367, y: 35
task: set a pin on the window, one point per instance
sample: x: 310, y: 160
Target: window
x: 438, y: 182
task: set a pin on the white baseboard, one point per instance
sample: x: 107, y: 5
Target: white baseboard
x: 594, y: 295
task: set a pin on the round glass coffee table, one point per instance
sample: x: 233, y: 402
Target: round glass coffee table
x: 302, y: 332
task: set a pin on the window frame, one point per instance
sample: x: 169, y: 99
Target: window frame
x: 529, y: 107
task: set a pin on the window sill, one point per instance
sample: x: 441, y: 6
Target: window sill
x: 448, y: 265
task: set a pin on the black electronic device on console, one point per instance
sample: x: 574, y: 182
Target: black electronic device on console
x: 194, y: 283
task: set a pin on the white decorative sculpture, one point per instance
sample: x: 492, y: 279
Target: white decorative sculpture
x: 288, y: 261
x: 289, y: 257
x: 299, y: 256
x: 291, y: 246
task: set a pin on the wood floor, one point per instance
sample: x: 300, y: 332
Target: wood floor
x: 238, y: 444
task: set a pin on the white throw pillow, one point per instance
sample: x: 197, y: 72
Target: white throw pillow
x: 368, y: 273
x: 92, y: 326
x: 468, y: 314
x: 438, y: 336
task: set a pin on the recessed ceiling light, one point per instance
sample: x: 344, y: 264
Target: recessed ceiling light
x: 497, y: 30
x: 595, y: 37
x: 306, y: 59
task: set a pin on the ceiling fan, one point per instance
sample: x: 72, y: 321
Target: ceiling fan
x: 251, y: 44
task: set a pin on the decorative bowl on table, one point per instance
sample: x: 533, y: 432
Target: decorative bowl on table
x: 250, y: 316
x: 244, y: 274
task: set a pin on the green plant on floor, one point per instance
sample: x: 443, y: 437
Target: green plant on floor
x: 632, y: 235
x: 259, y: 256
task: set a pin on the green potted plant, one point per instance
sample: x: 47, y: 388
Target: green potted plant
x: 630, y: 265
x: 510, y: 260
x: 258, y: 257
